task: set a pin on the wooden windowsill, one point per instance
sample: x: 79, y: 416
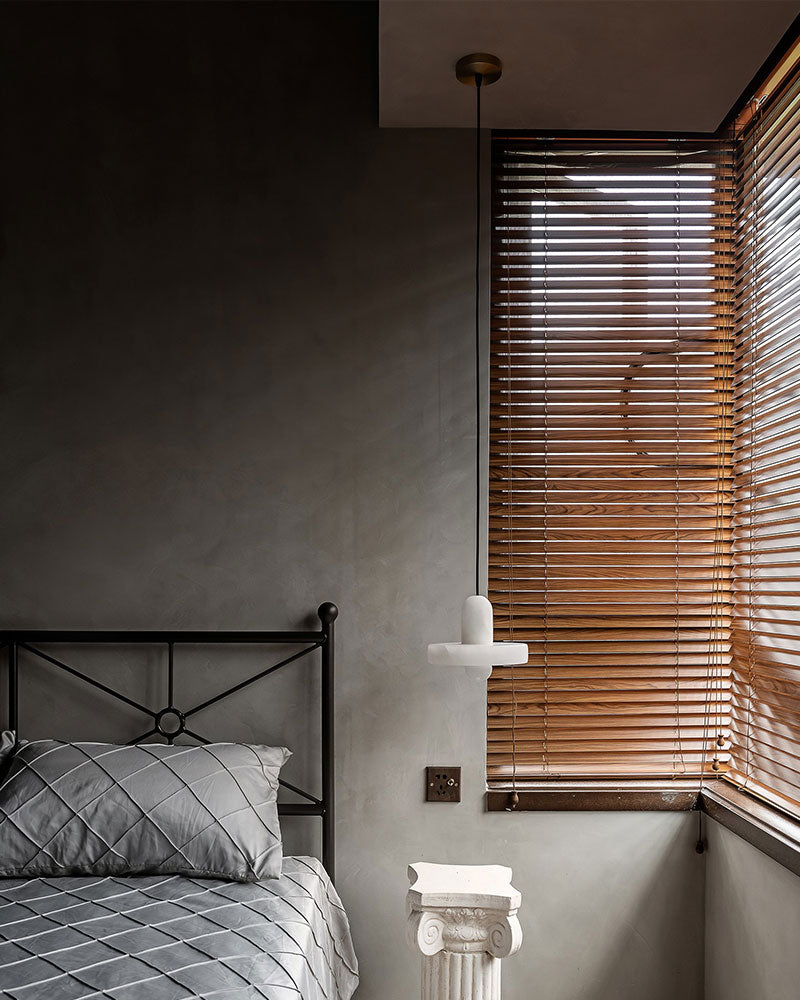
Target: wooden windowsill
x: 772, y: 831
x: 678, y: 795
x: 767, y: 828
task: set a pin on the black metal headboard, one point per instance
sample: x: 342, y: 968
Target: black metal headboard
x: 171, y: 722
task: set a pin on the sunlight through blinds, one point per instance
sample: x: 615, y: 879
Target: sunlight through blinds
x: 610, y: 457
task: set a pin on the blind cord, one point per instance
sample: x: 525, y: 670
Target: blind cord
x: 546, y: 435
x: 700, y: 846
x: 677, y: 751
x: 513, y: 802
x: 754, y: 323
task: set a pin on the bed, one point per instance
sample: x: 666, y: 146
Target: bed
x: 166, y: 936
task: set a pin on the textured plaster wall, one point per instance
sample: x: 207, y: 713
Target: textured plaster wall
x: 752, y: 922
x: 236, y: 382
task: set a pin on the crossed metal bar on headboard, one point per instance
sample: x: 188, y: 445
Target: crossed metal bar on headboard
x: 170, y: 722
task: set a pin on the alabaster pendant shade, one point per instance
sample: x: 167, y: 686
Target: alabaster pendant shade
x: 477, y: 648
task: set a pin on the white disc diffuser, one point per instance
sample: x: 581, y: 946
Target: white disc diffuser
x: 477, y: 647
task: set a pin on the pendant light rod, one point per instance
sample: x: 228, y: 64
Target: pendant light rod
x: 477, y: 70
x: 478, y: 491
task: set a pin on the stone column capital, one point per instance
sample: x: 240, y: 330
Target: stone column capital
x: 463, y: 909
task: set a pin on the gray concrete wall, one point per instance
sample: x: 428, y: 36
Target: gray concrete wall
x: 237, y: 381
x: 752, y: 922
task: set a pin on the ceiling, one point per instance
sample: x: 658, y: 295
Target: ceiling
x: 655, y: 65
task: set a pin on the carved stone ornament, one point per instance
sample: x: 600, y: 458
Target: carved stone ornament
x: 463, y: 920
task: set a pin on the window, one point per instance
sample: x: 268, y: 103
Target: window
x: 644, y: 533
x: 610, y: 457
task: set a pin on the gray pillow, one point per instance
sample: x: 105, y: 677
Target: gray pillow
x: 100, y: 809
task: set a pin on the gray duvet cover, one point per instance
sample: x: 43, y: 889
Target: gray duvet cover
x: 173, y: 937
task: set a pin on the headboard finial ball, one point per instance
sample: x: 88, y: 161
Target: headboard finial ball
x: 328, y: 613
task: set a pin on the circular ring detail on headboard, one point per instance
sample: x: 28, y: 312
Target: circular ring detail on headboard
x: 178, y: 717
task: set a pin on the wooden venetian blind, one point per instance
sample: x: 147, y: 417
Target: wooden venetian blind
x: 766, y: 516
x: 609, y: 533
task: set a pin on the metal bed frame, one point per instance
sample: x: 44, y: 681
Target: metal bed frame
x: 171, y: 722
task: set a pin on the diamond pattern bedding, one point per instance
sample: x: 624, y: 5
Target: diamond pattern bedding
x: 174, y: 938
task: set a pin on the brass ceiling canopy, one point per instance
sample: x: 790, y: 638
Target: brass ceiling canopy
x: 482, y: 64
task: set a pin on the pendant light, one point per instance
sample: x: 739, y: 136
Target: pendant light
x: 477, y: 649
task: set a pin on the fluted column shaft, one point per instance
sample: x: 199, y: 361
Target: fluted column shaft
x: 452, y: 975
